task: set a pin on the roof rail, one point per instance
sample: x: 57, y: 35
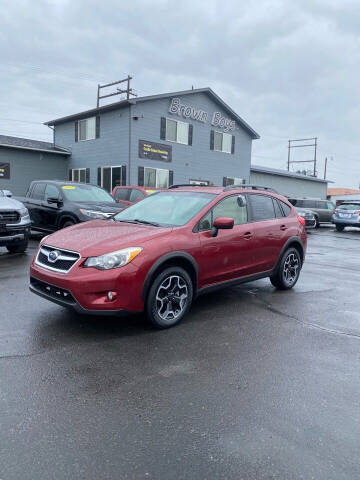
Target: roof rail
x: 249, y: 187
x: 179, y: 185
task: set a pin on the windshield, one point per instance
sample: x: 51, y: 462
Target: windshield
x: 86, y: 193
x: 166, y: 208
x: 349, y: 206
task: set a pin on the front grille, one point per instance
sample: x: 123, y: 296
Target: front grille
x: 54, y: 292
x: 56, y: 259
x: 9, y: 217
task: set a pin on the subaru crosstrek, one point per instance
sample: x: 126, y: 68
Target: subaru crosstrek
x: 159, y: 254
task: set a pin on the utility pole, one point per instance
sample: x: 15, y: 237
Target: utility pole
x: 301, y: 145
x: 325, y: 168
x: 128, y: 91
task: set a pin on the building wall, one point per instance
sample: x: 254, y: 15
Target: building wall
x: 290, y: 186
x: 188, y: 162
x: 28, y: 165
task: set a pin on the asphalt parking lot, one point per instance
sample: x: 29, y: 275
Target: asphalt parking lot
x: 254, y: 384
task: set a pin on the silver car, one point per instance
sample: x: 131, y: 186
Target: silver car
x: 347, y: 215
x: 14, y: 223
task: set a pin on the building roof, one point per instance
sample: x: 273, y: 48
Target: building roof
x: 286, y: 173
x: 28, y: 144
x: 342, y: 191
x: 133, y: 101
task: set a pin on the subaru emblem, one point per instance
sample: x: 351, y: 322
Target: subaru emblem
x: 53, y: 256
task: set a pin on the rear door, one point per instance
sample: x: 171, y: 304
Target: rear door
x: 270, y: 230
x: 228, y: 255
x: 34, y: 201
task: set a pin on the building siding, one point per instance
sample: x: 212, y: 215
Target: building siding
x: 188, y: 162
x: 27, y: 165
x: 290, y: 186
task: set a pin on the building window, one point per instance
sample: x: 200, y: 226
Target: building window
x: 232, y: 181
x: 87, y: 129
x: 110, y: 177
x: 177, y: 131
x: 223, y: 142
x: 156, y: 177
x: 199, y: 182
x: 78, y: 175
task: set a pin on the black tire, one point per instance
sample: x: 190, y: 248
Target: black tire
x: 169, y: 283
x: 290, y: 264
x: 17, y: 248
x: 339, y: 228
x: 67, y: 223
x: 317, y: 223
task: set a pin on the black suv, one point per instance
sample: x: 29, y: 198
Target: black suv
x: 54, y: 204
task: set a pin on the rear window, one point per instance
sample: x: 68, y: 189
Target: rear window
x: 122, y: 194
x: 285, y: 208
x: 349, y: 206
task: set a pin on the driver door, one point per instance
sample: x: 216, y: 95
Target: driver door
x: 50, y: 211
x: 228, y: 255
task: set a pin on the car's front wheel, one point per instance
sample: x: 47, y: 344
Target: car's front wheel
x: 289, y: 270
x: 21, y: 248
x: 169, y: 298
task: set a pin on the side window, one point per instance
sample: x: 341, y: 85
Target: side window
x: 122, y: 194
x: 309, y: 204
x: 278, y: 211
x: 262, y: 207
x: 51, y: 192
x: 136, y: 195
x: 38, y: 190
x: 330, y: 206
x: 286, y: 209
x: 323, y: 205
x: 229, y: 207
x: 206, y: 222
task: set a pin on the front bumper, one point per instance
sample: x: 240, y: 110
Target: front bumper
x: 13, y: 234
x: 87, y: 288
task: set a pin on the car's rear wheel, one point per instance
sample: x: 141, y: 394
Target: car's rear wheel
x: 169, y: 298
x: 17, y: 248
x: 317, y: 223
x: 289, y: 270
x: 339, y: 228
x: 67, y: 223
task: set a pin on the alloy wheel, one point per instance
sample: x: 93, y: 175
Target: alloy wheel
x: 171, y: 297
x: 291, y: 268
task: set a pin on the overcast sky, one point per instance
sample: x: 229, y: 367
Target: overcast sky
x: 290, y: 68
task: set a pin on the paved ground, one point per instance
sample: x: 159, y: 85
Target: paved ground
x: 255, y: 384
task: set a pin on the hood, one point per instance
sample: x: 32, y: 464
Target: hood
x: 103, y: 236
x: 7, y: 203
x: 100, y: 206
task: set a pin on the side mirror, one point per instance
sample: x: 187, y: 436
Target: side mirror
x: 222, y: 223
x: 54, y: 200
x: 241, y: 200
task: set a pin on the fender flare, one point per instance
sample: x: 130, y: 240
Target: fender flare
x: 289, y: 241
x: 162, y: 260
x: 66, y: 216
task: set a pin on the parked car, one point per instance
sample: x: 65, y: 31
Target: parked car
x: 322, y: 209
x: 54, y: 204
x: 14, y: 223
x: 159, y: 254
x: 132, y: 193
x: 347, y: 215
x: 308, y: 216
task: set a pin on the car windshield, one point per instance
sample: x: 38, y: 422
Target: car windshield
x: 349, y: 206
x: 166, y: 208
x: 86, y: 193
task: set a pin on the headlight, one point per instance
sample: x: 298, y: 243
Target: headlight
x: 93, y: 214
x: 113, y: 259
x: 24, y: 212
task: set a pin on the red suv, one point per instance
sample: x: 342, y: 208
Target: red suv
x: 159, y: 254
x: 131, y: 194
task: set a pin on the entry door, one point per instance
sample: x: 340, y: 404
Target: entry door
x: 228, y: 255
x: 110, y: 178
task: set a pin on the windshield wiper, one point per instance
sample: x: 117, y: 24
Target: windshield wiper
x: 136, y: 220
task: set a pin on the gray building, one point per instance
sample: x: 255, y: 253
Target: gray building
x: 23, y: 160
x: 180, y: 137
x: 288, y: 183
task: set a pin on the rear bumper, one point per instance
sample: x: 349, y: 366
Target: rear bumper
x: 346, y: 222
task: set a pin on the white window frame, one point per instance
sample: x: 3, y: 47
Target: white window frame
x: 78, y: 126
x: 222, y: 142
x: 77, y: 170
x: 156, y: 177
x: 199, y: 182
x: 111, y: 175
x: 177, y: 122
x: 241, y: 180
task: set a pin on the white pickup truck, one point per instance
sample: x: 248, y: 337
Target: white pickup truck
x: 14, y: 223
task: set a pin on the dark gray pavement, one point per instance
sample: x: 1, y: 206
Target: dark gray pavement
x: 254, y: 384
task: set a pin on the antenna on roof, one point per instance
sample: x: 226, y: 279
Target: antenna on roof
x: 128, y: 91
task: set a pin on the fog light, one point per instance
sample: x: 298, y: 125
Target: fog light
x: 111, y: 296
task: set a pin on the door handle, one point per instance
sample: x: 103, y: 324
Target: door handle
x: 248, y: 235
x: 283, y: 227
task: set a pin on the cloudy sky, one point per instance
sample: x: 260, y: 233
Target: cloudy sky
x: 290, y: 68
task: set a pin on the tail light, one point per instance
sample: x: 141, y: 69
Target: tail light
x: 357, y: 212
x: 334, y: 212
x: 302, y: 221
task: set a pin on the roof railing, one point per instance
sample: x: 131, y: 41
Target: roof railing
x: 179, y: 185
x: 249, y: 187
